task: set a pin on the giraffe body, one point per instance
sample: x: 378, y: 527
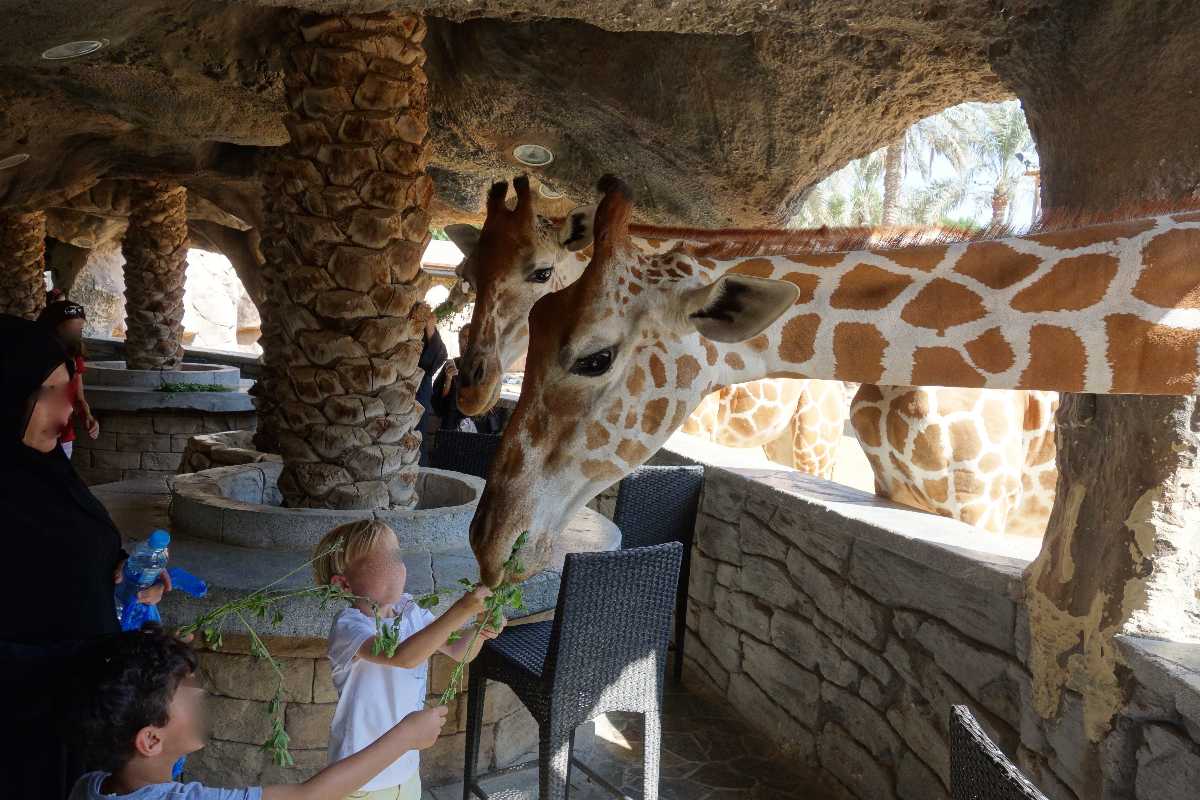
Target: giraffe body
x: 1111, y: 308
x: 982, y: 456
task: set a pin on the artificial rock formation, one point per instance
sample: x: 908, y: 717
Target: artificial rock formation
x: 1120, y: 551
x: 155, y: 250
x: 22, y: 264
x: 348, y: 224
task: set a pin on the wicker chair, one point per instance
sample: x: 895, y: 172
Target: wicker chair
x: 978, y: 769
x: 604, y: 651
x: 657, y: 505
x: 471, y: 453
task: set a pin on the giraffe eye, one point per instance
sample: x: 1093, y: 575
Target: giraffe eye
x: 594, y: 365
x: 540, y: 275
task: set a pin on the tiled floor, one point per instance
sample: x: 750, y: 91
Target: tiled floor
x: 707, y: 754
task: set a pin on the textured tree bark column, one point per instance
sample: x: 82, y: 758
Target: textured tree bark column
x: 22, y: 264
x: 1121, y: 554
x: 350, y: 207
x: 155, y: 250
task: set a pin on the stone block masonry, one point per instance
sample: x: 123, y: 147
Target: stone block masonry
x: 240, y: 687
x: 146, y: 443
x: 844, y: 628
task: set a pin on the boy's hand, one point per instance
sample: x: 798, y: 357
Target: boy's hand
x: 425, y: 726
x: 472, y: 602
x: 488, y: 632
x: 92, y: 425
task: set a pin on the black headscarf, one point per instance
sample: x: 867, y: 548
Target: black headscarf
x: 56, y: 533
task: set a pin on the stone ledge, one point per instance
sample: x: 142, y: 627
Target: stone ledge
x: 992, y: 564
x: 117, y: 374
x: 1171, y: 671
x: 119, y: 398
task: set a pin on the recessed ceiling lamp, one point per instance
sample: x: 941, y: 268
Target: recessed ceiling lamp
x: 13, y: 160
x: 533, y: 155
x: 548, y: 193
x: 73, y: 49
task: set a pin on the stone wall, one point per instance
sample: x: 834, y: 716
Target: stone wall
x: 844, y: 628
x: 241, y: 686
x: 145, y: 444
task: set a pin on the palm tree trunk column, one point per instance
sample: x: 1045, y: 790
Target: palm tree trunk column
x: 22, y: 264
x: 893, y: 175
x: 350, y: 222
x: 155, y: 250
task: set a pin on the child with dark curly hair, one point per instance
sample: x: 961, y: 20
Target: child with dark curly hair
x: 141, y: 708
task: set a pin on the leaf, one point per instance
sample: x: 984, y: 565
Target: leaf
x: 427, y: 601
x: 454, y: 636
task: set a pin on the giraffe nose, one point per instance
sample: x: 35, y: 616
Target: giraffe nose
x: 477, y: 373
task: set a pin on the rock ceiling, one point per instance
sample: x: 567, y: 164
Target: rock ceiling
x: 719, y: 113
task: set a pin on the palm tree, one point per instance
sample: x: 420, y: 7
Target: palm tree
x: 917, y: 148
x: 851, y: 196
x: 988, y: 147
x: 1001, y: 150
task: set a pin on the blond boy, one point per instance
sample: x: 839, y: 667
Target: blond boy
x: 377, y: 691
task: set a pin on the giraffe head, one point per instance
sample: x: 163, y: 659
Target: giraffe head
x: 617, y: 361
x: 516, y: 258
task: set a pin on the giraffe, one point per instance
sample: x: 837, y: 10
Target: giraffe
x: 618, y: 359
x: 797, y: 423
x: 519, y: 257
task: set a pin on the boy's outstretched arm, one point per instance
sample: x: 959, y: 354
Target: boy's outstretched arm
x: 416, y: 731
x: 416, y: 649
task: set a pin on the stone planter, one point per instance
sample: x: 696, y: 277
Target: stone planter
x: 240, y: 506
x: 143, y: 432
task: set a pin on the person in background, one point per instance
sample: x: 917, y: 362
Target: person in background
x: 65, y: 318
x: 64, y: 555
x: 445, y: 398
x: 432, y: 354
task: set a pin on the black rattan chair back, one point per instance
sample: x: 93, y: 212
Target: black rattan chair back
x: 459, y: 451
x: 612, y: 624
x: 978, y: 769
x: 658, y: 504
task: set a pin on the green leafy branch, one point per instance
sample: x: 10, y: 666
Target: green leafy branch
x: 507, y: 595
x: 193, y: 387
x: 263, y: 604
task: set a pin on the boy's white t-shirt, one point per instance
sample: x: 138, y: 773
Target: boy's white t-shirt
x: 372, y: 698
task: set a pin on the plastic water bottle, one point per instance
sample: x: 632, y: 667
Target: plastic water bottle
x: 142, y: 569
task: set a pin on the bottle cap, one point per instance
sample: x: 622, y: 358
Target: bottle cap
x: 159, y: 539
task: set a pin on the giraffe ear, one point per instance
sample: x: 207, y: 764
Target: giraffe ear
x: 465, y: 237
x: 738, y: 307
x: 577, y: 229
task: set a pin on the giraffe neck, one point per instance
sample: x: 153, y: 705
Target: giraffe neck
x: 1109, y: 309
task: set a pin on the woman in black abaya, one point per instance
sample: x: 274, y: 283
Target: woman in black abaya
x: 62, y: 555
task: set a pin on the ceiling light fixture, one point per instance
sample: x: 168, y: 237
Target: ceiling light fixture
x: 533, y: 155
x: 13, y: 160
x: 74, y: 49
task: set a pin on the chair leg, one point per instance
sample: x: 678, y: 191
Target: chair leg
x: 651, y: 753
x: 554, y: 762
x: 475, y: 695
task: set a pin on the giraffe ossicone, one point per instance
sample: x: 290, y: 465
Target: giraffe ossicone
x: 1112, y: 308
